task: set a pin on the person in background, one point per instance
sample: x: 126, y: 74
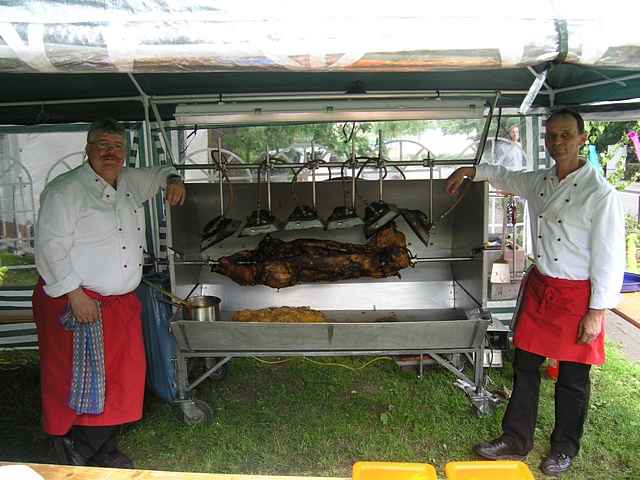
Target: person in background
x: 90, y: 238
x: 577, y: 224
x: 514, y: 134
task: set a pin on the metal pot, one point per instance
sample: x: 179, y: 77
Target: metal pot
x: 202, y: 308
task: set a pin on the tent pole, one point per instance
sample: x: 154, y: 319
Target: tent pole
x: 153, y: 211
x: 598, y: 83
x: 156, y: 113
x: 485, y: 130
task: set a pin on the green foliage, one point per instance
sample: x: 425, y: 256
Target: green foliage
x: 603, y: 133
x: 17, y: 277
x: 608, y: 137
x: 632, y: 230
x: 250, y: 142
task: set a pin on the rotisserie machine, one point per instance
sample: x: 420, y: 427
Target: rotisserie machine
x: 433, y: 308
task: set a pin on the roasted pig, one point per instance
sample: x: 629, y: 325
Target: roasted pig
x: 278, y: 264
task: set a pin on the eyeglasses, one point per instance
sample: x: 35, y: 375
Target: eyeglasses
x: 103, y: 146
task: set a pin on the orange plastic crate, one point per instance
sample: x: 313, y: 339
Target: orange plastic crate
x: 393, y: 471
x: 488, y: 470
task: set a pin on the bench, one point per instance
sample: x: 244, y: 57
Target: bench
x: 17, y: 329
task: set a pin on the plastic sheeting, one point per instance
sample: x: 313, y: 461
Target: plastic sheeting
x: 191, y: 36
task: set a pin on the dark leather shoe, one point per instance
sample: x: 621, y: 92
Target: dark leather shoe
x: 498, y: 449
x: 66, y: 453
x: 555, y: 464
x: 112, y: 459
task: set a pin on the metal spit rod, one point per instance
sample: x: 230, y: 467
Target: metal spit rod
x: 313, y: 174
x: 415, y: 260
x: 380, y: 165
x: 430, y: 187
x: 267, y: 162
x: 354, y: 162
x: 220, y: 175
x: 245, y: 166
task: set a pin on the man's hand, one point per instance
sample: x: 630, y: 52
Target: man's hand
x: 176, y: 193
x: 590, y: 326
x: 84, y: 308
x: 456, y: 178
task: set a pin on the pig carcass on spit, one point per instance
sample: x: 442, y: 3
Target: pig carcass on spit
x: 278, y: 264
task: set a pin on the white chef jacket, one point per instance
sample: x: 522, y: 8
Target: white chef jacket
x: 92, y: 235
x: 577, y: 225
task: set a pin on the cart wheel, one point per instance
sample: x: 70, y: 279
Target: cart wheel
x: 194, y: 411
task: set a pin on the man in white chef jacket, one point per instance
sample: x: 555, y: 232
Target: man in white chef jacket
x: 90, y: 239
x: 577, y: 224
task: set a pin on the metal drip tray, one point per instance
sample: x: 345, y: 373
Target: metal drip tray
x: 347, y: 331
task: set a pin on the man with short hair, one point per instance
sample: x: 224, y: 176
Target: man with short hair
x: 90, y: 239
x: 577, y: 225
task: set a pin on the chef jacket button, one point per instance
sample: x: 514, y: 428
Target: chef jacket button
x: 124, y: 248
x: 559, y: 239
x: 542, y: 194
x: 559, y: 221
x: 128, y: 194
x: 125, y: 266
x: 540, y: 216
x: 138, y: 228
x: 566, y: 200
x: 545, y: 178
x: 108, y: 195
x: 556, y: 259
x: 134, y: 211
x: 119, y: 229
x: 97, y: 180
x: 539, y: 256
x: 140, y: 246
x: 575, y: 184
x: 139, y: 264
x: 539, y: 236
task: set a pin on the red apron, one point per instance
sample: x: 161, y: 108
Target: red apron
x: 549, y: 316
x: 124, y: 361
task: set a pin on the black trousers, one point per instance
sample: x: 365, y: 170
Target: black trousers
x: 571, y: 403
x: 91, y: 441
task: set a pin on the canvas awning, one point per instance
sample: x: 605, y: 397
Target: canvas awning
x: 94, y: 53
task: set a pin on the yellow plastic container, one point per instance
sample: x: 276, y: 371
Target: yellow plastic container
x: 488, y: 470
x: 393, y: 471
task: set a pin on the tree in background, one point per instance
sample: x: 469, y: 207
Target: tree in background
x: 607, y: 137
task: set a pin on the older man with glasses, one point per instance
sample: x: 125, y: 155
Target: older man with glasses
x: 90, y: 239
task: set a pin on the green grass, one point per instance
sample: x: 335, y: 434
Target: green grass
x: 298, y: 418
x: 14, y: 278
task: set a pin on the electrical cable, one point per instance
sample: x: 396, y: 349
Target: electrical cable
x: 322, y: 364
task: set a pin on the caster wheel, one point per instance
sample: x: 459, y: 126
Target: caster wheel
x: 193, y: 412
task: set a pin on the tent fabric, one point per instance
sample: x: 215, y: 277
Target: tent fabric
x: 56, y: 50
x: 69, y: 36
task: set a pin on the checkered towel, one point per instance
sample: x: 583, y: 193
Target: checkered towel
x: 88, y: 376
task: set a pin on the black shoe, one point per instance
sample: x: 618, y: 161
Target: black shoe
x: 555, y: 464
x: 112, y: 459
x: 498, y: 449
x: 66, y: 453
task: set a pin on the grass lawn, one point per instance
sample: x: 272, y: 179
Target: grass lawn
x: 299, y: 418
x: 15, y: 278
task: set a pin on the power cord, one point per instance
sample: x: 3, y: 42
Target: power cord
x: 322, y: 364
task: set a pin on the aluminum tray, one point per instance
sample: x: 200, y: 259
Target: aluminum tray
x: 348, y: 331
